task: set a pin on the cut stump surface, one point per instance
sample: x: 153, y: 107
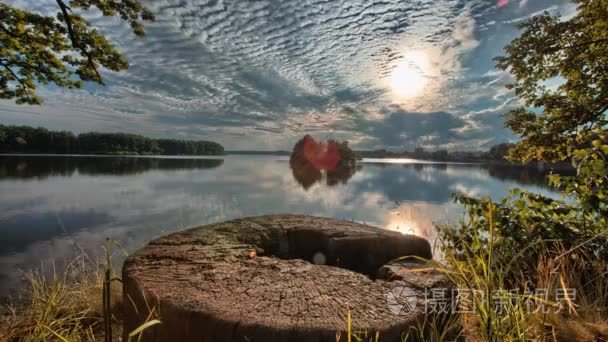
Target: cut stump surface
x: 275, y: 278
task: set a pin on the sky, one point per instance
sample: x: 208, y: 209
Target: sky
x: 390, y: 74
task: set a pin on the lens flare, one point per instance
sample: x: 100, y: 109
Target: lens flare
x: 324, y: 155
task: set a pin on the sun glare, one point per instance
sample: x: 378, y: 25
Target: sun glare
x: 408, y: 77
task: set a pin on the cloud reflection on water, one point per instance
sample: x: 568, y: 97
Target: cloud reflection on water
x: 54, y: 216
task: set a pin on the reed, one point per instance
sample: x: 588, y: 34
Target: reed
x: 82, y: 302
x: 516, y: 299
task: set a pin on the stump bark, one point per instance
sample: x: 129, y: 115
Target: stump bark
x: 276, y: 278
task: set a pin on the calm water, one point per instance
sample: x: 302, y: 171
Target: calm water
x: 51, y: 207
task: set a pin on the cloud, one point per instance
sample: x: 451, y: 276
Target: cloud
x: 401, y: 129
x: 261, y: 74
x: 464, y: 33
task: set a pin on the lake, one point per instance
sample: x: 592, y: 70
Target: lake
x: 54, y: 207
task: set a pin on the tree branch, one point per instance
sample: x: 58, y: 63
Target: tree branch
x: 25, y: 86
x: 75, y: 43
x: 603, y: 110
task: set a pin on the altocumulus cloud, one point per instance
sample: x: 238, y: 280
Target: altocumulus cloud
x: 259, y: 74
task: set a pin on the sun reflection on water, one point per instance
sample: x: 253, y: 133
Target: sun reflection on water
x: 420, y: 219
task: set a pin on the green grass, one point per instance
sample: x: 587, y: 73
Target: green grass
x: 521, y: 315
x: 65, y: 306
x: 83, y: 302
x: 526, y: 315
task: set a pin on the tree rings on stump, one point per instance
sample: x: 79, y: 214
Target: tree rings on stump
x: 276, y: 278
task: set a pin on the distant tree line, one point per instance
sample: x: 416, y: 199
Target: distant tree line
x: 495, y: 153
x: 24, y: 139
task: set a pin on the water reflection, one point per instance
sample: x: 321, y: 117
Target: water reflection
x: 307, y: 175
x: 40, y: 167
x: 429, y: 175
x: 526, y: 175
x: 50, y: 208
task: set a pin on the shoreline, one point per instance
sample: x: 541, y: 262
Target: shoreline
x: 370, y: 160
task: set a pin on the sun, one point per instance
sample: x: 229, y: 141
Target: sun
x: 408, y: 77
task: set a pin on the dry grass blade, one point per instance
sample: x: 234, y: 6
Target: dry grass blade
x: 142, y: 328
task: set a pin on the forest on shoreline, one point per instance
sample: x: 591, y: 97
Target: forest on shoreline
x: 24, y: 139
x: 495, y: 153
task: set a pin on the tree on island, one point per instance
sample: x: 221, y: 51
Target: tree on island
x: 311, y: 159
x: 65, y: 50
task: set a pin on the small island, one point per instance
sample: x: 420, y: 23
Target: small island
x: 30, y: 140
x: 313, y: 162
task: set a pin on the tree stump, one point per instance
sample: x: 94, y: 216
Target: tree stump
x: 274, y: 278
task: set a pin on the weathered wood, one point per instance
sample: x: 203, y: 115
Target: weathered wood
x: 271, y: 278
